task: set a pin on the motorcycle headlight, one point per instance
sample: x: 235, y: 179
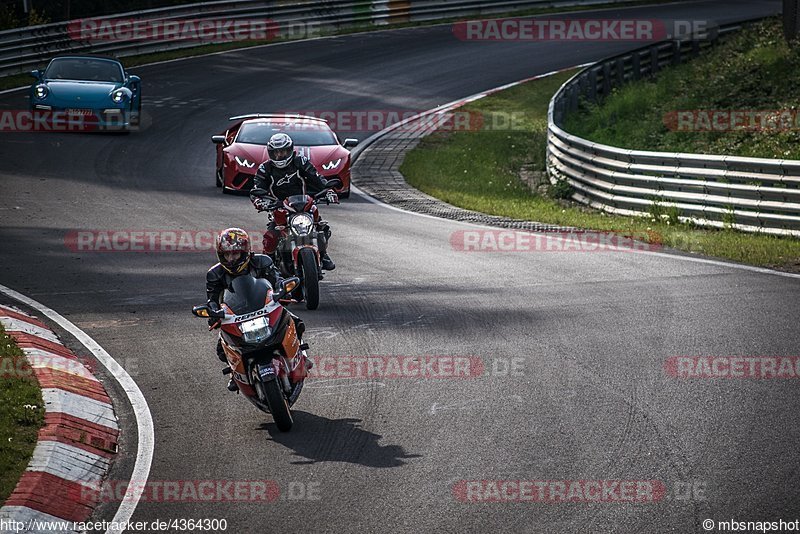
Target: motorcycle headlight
x: 41, y: 91
x: 255, y: 330
x: 302, y: 224
x: 118, y: 96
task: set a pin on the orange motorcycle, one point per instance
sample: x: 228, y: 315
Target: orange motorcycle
x: 263, y: 344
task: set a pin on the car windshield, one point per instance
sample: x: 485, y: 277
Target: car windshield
x: 247, y: 294
x: 88, y: 69
x: 303, y: 134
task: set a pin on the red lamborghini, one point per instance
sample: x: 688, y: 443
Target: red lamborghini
x: 243, y: 147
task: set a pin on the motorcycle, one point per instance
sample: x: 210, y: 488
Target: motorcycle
x: 297, y: 253
x: 263, y: 344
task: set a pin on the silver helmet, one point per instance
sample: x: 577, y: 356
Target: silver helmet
x: 280, y: 149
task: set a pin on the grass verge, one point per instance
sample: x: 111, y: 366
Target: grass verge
x: 21, y: 414
x: 752, y: 70
x: 18, y: 80
x: 502, y: 172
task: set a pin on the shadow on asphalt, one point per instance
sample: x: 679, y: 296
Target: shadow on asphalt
x: 319, y: 439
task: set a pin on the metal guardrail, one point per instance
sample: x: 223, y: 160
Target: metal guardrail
x: 749, y: 194
x: 23, y: 49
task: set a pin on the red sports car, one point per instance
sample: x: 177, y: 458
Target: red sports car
x: 243, y: 147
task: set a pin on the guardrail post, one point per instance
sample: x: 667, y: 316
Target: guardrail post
x: 573, y: 99
x: 676, y: 52
x: 636, y: 66
x: 653, y: 61
x: 592, y: 94
x: 606, y: 79
x: 620, y: 71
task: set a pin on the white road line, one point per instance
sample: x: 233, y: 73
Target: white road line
x: 144, y: 419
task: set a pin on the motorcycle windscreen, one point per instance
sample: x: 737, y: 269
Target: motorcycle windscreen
x: 246, y: 294
x: 297, y: 202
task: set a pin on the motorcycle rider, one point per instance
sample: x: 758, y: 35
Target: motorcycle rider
x: 284, y: 174
x: 235, y: 259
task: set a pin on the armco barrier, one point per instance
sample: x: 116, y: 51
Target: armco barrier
x: 750, y: 194
x: 23, y: 49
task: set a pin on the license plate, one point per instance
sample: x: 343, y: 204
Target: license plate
x: 84, y: 112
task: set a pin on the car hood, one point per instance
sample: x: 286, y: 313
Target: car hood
x: 319, y: 155
x: 80, y: 93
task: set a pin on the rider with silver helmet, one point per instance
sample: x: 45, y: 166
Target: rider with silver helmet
x: 284, y: 174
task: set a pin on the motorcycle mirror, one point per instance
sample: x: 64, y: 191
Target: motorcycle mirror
x: 200, y: 311
x: 290, y: 284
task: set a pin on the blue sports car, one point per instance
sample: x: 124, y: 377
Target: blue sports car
x: 92, y: 88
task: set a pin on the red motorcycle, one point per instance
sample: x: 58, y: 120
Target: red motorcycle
x: 297, y: 253
x: 263, y: 344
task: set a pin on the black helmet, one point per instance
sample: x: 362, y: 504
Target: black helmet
x: 280, y: 149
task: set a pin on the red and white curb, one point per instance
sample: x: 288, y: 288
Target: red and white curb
x: 78, y: 441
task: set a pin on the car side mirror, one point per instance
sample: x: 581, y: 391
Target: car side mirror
x: 350, y: 142
x: 132, y: 78
x: 37, y: 74
x: 218, y: 139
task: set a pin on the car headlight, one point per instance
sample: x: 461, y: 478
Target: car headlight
x: 41, y: 91
x: 331, y: 164
x: 255, y: 330
x: 302, y: 223
x: 244, y: 162
x: 118, y: 96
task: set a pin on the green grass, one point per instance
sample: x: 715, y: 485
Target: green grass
x: 480, y: 170
x: 18, y: 80
x: 754, y: 69
x: 21, y: 414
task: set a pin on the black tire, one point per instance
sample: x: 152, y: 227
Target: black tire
x: 278, y: 405
x: 344, y: 194
x: 308, y: 262
x: 219, y: 178
x: 136, y: 117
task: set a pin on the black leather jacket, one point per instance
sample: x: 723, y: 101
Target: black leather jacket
x: 218, y: 279
x: 299, y: 177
